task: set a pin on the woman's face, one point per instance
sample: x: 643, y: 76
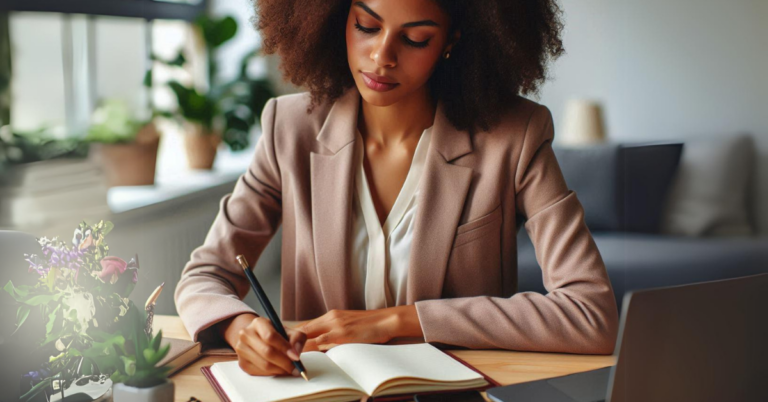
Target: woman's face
x: 393, y: 46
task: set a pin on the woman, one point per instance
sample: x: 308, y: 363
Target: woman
x: 400, y: 180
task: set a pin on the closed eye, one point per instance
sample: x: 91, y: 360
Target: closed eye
x: 364, y: 29
x: 405, y: 39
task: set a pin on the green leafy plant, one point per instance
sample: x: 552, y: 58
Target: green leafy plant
x: 139, y: 355
x: 38, y: 145
x: 113, y: 122
x: 234, y: 106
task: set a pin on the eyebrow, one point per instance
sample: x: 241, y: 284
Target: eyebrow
x: 406, y: 25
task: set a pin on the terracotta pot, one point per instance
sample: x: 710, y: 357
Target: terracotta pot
x: 159, y: 393
x: 131, y: 164
x: 201, y: 145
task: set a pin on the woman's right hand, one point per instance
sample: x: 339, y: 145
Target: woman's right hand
x: 260, y: 349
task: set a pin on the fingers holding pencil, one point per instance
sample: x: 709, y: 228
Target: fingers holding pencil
x: 273, y: 319
x: 261, y: 350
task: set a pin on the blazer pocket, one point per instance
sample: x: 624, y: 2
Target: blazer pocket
x: 478, y: 228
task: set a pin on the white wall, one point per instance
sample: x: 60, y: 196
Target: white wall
x: 669, y: 69
x: 247, y: 38
x: 40, y: 62
x: 663, y: 69
x: 37, y: 85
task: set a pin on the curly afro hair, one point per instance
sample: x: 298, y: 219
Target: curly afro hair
x: 503, y: 52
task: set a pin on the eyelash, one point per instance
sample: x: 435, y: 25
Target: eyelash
x: 407, y: 41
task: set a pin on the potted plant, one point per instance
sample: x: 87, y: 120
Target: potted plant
x: 80, y: 300
x: 201, y: 127
x: 21, y: 148
x: 125, y: 146
x: 139, y: 379
x: 227, y: 110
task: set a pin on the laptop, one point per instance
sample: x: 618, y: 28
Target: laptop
x: 701, y: 342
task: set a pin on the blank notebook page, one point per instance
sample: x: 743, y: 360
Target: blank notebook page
x: 242, y: 387
x: 373, y: 365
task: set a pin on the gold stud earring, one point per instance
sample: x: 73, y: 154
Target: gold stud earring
x: 447, y: 55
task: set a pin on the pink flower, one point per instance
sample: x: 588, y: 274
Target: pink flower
x: 111, y: 269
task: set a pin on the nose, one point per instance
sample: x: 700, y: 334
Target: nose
x: 383, y: 53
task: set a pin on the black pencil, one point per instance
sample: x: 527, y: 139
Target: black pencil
x: 268, y: 308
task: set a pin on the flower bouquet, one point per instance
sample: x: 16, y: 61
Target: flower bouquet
x: 82, y: 296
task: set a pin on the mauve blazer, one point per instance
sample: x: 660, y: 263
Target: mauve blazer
x: 477, y: 191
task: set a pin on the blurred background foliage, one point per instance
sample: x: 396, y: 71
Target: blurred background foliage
x: 232, y: 106
x: 227, y: 107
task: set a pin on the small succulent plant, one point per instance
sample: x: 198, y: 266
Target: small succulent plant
x: 140, y: 355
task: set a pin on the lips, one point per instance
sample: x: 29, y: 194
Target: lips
x: 378, y: 83
x: 380, y: 78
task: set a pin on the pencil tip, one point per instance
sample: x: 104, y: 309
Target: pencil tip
x: 303, y: 374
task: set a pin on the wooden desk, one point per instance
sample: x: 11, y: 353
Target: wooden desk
x: 503, y: 366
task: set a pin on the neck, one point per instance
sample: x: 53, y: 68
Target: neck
x: 399, y: 122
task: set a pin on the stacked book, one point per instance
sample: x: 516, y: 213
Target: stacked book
x: 49, y: 193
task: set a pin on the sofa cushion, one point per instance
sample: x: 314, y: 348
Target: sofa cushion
x: 622, y: 186
x: 709, y: 195
x: 592, y: 172
x: 642, y: 261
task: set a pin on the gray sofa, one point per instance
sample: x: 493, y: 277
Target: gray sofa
x: 639, y: 261
x: 662, y: 214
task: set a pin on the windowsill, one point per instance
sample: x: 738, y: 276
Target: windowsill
x: 174, y: 180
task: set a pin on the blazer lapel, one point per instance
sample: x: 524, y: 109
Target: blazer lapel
x: 444, y: 188
x: 332, y: 186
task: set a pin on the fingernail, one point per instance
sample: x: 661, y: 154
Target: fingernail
x: 292, y: 354
x: 297, y: 347
x: 295, y: 372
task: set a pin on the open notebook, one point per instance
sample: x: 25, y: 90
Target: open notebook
x: 350, y: 372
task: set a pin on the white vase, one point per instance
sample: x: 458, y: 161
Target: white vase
x: 159, y: 393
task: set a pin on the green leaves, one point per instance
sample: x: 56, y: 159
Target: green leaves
x: 155, y: 343
x: 235, y: 105
x: 18, y: 293
x: 105, y: 351
x: 52, y: 319
x: 138, y: 366
x: 147, y: 81
x: 30, y: 296
x: 50, y: 279
x: 38, y: 388
x: 129, y: 365
x: 193, y: 105
x: 105, y: 226
x: 21, y: 315
x: 42, y: 299
x: 93, y: 327
x: 38, y: 145
x: 152, y: 356
x: 113, y: 121
x: 216, y: 32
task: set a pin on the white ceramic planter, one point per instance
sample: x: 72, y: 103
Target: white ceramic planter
x: 159, y: 393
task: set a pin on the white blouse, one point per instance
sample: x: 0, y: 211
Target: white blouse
x: 380, y: 254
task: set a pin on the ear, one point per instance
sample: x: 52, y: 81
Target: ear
x: 452, y: 40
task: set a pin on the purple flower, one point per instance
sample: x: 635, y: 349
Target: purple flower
x: 55, y: 254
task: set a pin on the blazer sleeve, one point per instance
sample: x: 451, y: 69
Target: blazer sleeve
x: 212, y: 284
x: 578, y: 314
